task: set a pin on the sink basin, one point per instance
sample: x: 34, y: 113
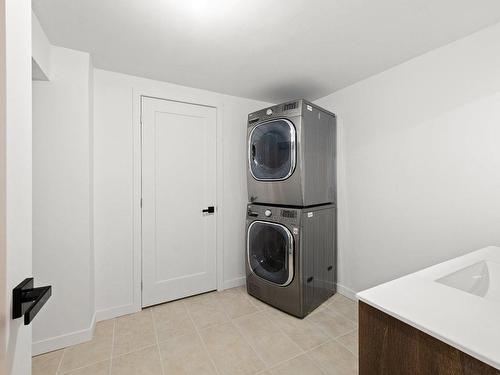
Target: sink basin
x: 481, y: 279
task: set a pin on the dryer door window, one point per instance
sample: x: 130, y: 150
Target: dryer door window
x: 270, y: 252
x: 271, y: 151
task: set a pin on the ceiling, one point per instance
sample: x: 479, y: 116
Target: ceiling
x: 270, y: 50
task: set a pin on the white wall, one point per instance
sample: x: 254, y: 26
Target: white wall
x: 114, y: 101
x: 40, y: 51
x: 420, y: 161
x: 62, y: 201
x: 17, y: 146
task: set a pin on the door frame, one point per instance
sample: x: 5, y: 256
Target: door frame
x: 202, y: 99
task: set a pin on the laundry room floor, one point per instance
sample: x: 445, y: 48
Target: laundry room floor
x: 222, y: 333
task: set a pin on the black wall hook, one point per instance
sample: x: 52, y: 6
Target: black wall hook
x: 27, y: 300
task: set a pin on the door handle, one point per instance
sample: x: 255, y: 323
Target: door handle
x: 209, y: 210
x: 27, y: 300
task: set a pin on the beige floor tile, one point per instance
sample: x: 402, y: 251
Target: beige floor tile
x: 206, y: 310
x: 241, y: 289
x: 301, y: 365
x: 259, y: 305
x: 320, y: 308
x: 350, y: 341
x: 46, y: 364
x: 235, y: 302
x: 104, y: 329
x: 96, y: 350
x: 101, y: 368
x: 185, y: 355
x: 142, y: 362
x: 172, y: 320
x: 261, y: 332
x: 230, y: 352
x: 301, y: 331
x: 334, y: 359
x: 133, y: 332
x: 332, y: 324
x: 343, y: 306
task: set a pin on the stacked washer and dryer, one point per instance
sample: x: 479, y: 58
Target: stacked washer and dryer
x: 291, y: 217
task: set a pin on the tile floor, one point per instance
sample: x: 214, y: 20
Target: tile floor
x: 219, y: 333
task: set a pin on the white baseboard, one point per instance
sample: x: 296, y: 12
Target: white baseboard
x: 59, y: 342
x: 346, y: 292
x: 115, y: 312
x: 233, y: 283
x: 73, y: 338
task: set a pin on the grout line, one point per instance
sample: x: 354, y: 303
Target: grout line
x: 342, y: 315
x: 58, y: 371
x: 333, y: 310
x: 200, y: 337
x: 252, y: 302
x: 250, y: 345
x: 307, y: 322
x: 272, y: 318
x: 231, y: 321
x: 69, y: 372
x: 345, y: 346
x: 298, y: 355
x: 112, y: 347
x: 60, y: 361
x: 134, y: 351
x: 157, y: 342
x: 325, y: 371
x: 302, y: 351
x: 342, y: 334
x: 318, y: 365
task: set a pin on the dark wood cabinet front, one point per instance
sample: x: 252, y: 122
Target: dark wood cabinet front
x: 387, y: 346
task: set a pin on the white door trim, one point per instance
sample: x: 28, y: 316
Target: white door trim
x: 137, y: 94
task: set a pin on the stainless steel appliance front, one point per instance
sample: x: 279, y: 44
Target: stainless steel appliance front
x: 291, y: 155
x: 291, y: 256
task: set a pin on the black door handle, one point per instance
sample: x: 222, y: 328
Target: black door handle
x: 27, y: 300
x: 209, y: 210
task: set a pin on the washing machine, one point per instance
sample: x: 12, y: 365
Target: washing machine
x: 291, y: 155
x: 291, y: 256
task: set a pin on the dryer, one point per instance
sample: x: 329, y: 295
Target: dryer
x: 291, y: 155
x: 291, y: 256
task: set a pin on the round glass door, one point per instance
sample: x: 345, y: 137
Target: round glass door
x: 270, y: 252
x: 272, y: 150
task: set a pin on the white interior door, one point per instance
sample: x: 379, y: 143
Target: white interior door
x: 178, y: 182
x: 15, y: 179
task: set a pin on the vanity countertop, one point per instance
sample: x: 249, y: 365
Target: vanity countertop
x: 433, y: 300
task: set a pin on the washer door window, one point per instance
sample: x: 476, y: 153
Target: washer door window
x: 270, y: 252
x: 272, y: 150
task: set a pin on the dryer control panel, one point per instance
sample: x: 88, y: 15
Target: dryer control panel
x: 275, y: 214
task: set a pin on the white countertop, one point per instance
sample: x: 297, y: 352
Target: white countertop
x: 463, y: 320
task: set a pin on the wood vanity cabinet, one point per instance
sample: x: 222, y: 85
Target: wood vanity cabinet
x: 387, y: 346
